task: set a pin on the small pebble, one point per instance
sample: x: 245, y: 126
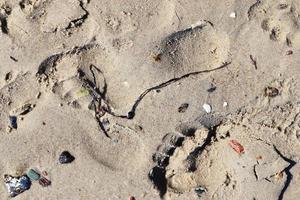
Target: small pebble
x: 207, y: 108
x: 65, y: 158
x: 225, y: 104
x: 271, y: 91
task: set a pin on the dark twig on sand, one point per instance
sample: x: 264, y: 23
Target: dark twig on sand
x: 289, y: 175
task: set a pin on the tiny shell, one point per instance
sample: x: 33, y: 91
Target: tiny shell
x: 235, y: 145
x: 225, y: 104
x: 232, y: 15
x: 207, y: 108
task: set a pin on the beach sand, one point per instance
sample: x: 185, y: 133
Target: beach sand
x: 160, y: 99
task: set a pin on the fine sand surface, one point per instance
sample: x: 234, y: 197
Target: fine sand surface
x: 121, y: 85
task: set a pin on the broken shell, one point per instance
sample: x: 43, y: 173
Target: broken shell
x: 207, y: 108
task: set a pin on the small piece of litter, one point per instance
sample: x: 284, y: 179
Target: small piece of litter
x: 207, y: 108
x: 65, y: 158
x: 225, y: 104
x: 235, y: 145
x: 44, y: 182
x: 232, y: 15
x: 33, y: 175
x: 13, y: 122
x: 16, y: 185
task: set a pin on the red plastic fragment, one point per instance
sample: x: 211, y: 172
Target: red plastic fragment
x: 235, y: 145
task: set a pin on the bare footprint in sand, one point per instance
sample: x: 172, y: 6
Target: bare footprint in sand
x: 73, y: 76
x: 195, y: 49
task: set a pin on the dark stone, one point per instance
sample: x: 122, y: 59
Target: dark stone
x: 13, y: 122
x: 65, y: 158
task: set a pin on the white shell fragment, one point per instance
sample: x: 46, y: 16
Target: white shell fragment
x: 207, y: 108
x: 232, y: 15
x: 225, y: 104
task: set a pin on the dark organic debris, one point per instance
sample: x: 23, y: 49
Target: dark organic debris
x: 183, y: 107
x: 287, y: 172
x: 254, y: 62
x: 13, y: 58
x: 8, y: 76
x: 271, y: 91
x: 3, y: 23
x: 283, y: 6
x: 65, y: 158
x: 16, y: 185
x: 78, y: 22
